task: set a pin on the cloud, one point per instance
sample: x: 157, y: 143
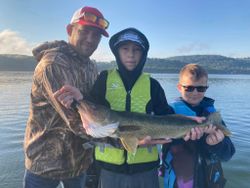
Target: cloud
x: 12, y: 43
x: 193, y: 47
x: 103, y: 54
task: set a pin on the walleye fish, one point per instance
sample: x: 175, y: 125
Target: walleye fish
x: 130, y: 127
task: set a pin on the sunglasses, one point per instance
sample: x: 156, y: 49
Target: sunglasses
x: 198, y: 88
x: 89, y: 17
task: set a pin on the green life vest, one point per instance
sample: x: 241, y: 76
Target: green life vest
x: 116, y: 96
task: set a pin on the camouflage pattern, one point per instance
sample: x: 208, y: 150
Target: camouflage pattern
x: 55, y: 144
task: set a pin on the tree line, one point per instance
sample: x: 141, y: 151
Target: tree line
x: 213, y: 63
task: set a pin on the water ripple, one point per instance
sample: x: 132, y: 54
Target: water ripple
x: 233, y: 105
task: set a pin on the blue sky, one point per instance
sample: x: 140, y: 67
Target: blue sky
x: 173, y: 27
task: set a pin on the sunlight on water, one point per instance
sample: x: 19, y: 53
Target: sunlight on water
x: 14, y: 99
x: 229, y: 91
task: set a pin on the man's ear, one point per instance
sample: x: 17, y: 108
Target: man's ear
x: 69, y: 29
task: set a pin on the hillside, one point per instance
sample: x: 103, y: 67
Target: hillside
x: 213, y: 63
x: 17, y: 63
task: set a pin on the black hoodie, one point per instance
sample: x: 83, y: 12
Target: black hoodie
x: 158, y: 104
x: 130, y: 34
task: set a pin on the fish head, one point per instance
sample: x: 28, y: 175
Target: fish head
x: 93, y: 113
x: 96, y: 119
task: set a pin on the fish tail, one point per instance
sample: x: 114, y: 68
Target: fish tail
x: 216, y: 120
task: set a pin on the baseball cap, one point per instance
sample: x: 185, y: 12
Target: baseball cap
x: 92, y: 17
x: 129, y: 34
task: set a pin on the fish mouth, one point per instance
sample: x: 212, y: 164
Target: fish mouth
x: 86, y: 118
x: 92, y: 121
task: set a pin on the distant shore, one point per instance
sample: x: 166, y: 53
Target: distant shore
x: 214, y: 64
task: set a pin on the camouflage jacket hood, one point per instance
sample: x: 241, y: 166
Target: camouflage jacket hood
x: 60, y: 46
x: 55, y: 144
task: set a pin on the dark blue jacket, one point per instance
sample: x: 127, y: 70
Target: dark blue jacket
x: 223, y: 150
x: 200, y: 149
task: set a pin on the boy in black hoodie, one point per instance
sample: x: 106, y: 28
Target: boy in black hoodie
x: 128, y: 88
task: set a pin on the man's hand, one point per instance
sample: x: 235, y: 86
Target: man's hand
x: 66, y: 94
x: 197, y: 132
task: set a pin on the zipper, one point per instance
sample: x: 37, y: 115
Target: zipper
x: 128, y: 101
x: 128, y: 109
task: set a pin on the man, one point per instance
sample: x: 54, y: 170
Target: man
x: 56, y: 146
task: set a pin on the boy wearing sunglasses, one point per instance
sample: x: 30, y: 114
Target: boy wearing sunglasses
x: 182, y: 158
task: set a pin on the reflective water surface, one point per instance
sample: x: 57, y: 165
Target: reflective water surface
x: 231, y: 93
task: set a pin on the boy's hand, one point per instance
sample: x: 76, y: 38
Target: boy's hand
x: 66, y: 94
x: 214, y: 136
x: 195, y: 134
x: 149, y: 141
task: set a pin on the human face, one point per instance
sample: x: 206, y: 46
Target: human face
x: 84, y: 39
x: 130, y: 55
x: 194, y: 97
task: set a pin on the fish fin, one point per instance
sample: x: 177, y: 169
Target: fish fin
x: 129, y: 143
x: 97, y: 131
x: 216, y: 119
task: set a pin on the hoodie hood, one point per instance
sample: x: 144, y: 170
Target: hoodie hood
x: 133, y: 35
x: 56, y: 46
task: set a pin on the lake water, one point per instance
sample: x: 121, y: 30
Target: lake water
x: 231, y: 93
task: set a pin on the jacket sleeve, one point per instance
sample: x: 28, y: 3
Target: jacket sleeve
x: 223, y: 150
x: 158, y: 99
x: 53, y: 76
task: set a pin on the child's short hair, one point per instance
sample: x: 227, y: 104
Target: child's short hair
x: 197, y: 72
